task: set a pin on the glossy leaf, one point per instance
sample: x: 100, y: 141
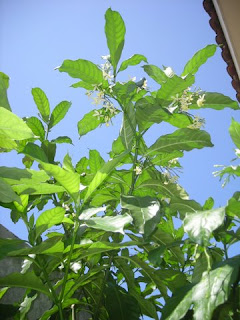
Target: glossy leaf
x: 36, y: 126
x: 82, y: 69
x: 200, y: 225
x: 111, y: 224
x: 26, y: 280
x: 95, y: 161
x: 88, y: 123
x: 83, y: 84
x: 88, y: 213
x: 199, y: 59
x: 42, y: 103
x: 234, y: 131
x: 217, y: 101
x: 4, y: 84
x: 156, y: 73
x: 128, y: 128
x: 37, y: 188
x: 145, y: 212
x: 103, y: 173
x: 115, y: 33
x: 69, y: 180
x: 182, y: 139
x: 48, y: 219
x: 59, y: 113
x: 12, y: 127
x: 206, y: 295
x: 7, y: 194
x: 134, y: 60
x: 62, y: 139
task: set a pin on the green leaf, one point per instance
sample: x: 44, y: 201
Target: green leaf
x: 67, y: 163
x: 125, y: 92
x: 103, y: 173
x: 49, y: 149
x: 156, y: 73
x: 42, y: 103
x: 216, y: 101
x: 59, y: 113
x: 145, y: 212
x: 4, y: 84
x: 27, y: 280
x: 115, y: 33
x: 8, y: 245
x: 12, y: 127
x: 200, y: 225
x: 128, y: 129
x: 95, y: 161
x: 174, y: 86
x: 26, y: 305
x: 199, y: 59
x: 209, y: 203
x: 7, y: 194
x: 48, y: 219
x: 111, y: 224
x: 234, y: 131
x: 62, y: 139
x: 88, y: 213
x: 182, y: 139
x: 34, y: 151
x: 88, y: 123
x: 120, y: 304
x: 233, y: 208
x: 134, y: 60
x: 36, y: 126
x: 82, y: 69
x: 212, y: 291
x: 82, y: 84
x: 20, y: 176
x: 183, y: 206
x: 69, y: 180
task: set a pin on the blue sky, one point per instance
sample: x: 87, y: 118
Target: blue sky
x: 36, y: 36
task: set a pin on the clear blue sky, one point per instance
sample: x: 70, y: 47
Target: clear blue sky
x: 36, y: 36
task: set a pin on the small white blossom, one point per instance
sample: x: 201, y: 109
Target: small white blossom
x: 169, y: 72
x: 75, y: 266
x: 138, y: 170
x: 106, y: 57
x: 98, y: 114
x: 200, y: 101
x: 237, y: 152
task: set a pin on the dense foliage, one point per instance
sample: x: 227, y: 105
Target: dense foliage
x: 131, y: 242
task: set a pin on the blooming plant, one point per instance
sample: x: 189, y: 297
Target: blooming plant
x: 107, y: 244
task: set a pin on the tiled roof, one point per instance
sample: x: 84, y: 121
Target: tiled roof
x: 221, y: 41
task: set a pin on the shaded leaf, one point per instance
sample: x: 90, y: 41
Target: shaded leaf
x: 156, y: 73
x: 7, y: 194
x: 62, y: 139
x: 128, y: 128
x: 34, y: 151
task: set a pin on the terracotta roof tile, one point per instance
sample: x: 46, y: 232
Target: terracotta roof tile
x: 221, y: 41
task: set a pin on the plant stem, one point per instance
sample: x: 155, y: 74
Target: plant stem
x: 134, y: 176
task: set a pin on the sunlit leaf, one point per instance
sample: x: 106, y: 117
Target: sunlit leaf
x: 49, y: 218
x: 103, y: 173
x: 134, y: 60
x: 128, y: 128
x: 95, y: 161
x: 217, y: 101
x: 12, y: 127
x: 206, y: 295
x: 36, y: 126
x: 4, y: 84
x: 111, y: 224
x: 88, y: 213
x: 200, y: 225
x: 115, y: 33
x: 42, y: 103
x: 59, y: 113
x: 156, y: 73
x: 62, y: 139
x: 234, y: 131
x: 199, y: 59
x: 145, y: 212
x: 182, y: 139
x: 88, y: 123
x: 82, y: 69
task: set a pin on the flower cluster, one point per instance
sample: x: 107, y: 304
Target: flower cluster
x: 186, y: 99
x: 107, y: 68
x: 198, y: 123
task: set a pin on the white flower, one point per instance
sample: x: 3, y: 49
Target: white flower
x: 27, y: 263
x: 98, y: 114
x: 106, y: 57
x: 237, y: 152
x: 75, y: 266
x: 169, y: 72
x: 144, y: 86
x: 138, y: 170
x: 200, y: 100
